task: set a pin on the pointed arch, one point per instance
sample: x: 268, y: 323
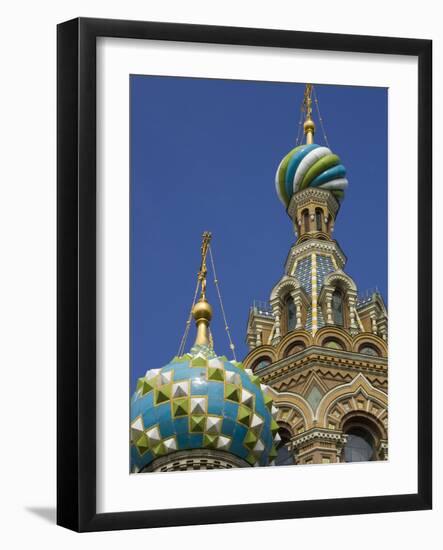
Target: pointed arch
x: 360, y: 383
x: 295, y: 402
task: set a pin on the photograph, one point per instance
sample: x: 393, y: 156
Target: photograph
x: 208, y: 213
x: 258, y: 274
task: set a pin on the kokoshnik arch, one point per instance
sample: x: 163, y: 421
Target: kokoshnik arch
x: 313, y: 388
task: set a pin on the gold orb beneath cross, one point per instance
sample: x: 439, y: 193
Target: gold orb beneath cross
x: 309, y: 126
x: 202, y: 310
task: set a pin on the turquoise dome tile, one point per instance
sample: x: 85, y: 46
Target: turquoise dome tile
x: 195, y: 441
x: 195, y: 403
x: 183, y: 440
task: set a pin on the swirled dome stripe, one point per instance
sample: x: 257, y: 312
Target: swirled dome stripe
x: 326, y: 162
x: 294, y: 163
x: 338, y: 193
x: 333, y: 173
x: 339, y: 184
x: 280, y: 177
x: 311, y: 158
x: 309, y: 165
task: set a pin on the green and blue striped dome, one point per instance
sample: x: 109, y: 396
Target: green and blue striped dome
x: 310, y: 166
x: 201, y: 401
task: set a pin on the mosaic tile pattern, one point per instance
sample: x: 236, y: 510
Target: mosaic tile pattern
x: 324, y: 267
x: 202, y: 401
x: 303, y: 273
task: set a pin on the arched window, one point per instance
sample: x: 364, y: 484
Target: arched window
x: 359, y: 446
x: 295, y: 347
x: 291, y: 313
x: 337, y: 307
x: 285, y: 455
x: 369, y: 349
x: 332, y: 343
x: 318, y: 219
x: 305, y: 217
x: 261, y: 363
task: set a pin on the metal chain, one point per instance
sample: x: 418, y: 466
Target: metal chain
x: 188, y: 322
x: 320, y: 117
x: 228, y: 332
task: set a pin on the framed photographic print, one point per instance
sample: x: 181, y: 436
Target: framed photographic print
x: 238, y: 211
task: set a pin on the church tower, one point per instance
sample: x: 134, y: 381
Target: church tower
x: 319, y: 344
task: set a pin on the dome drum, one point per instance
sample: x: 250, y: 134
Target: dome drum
x: 196, y: 459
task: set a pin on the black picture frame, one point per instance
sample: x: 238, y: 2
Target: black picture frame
x: 76, y: 265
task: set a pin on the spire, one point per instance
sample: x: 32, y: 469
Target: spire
x: 202, y: 311
x: 308, y: 126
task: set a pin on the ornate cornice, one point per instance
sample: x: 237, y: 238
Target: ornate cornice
x: 303, y: 198
x: 337, y: 359
x: 317, y: 434
x: 196, y: 459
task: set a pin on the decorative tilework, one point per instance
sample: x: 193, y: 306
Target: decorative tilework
x: 303, y: 274
x: 324, y: 267
x: 308, y: 273
x: 201, y: 401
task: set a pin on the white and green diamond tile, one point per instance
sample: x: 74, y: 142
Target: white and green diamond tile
x: 199, y: 404
x: 181, y: 389
x: 201, y: 401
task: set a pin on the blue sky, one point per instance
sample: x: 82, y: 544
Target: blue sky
x: 203, y: 157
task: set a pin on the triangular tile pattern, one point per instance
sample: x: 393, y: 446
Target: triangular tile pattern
x: 201, y: 401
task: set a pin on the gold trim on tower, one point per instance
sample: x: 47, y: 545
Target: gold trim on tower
x: 314, y: 292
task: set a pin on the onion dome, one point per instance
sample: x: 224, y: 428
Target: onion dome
x: 310, y: 165
x: 201, y: 401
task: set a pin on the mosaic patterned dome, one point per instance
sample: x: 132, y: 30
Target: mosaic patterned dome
x: 310, y: 165
x: 201, y: 401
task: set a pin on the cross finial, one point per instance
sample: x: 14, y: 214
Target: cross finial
x: 308, y: 126
x: 203, y: 269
